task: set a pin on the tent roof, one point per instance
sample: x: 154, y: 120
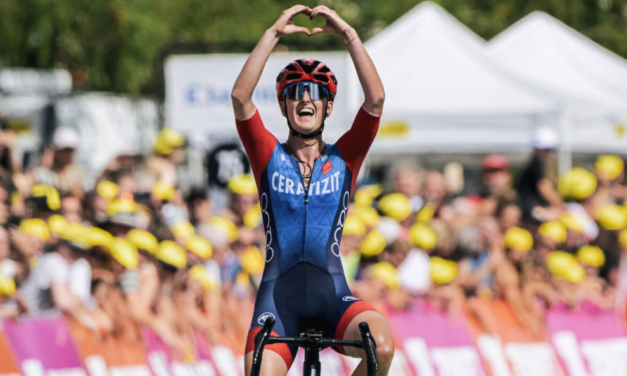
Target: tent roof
x: 433, y: 65
x: 558, y: 59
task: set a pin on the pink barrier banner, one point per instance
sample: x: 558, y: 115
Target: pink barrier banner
x: 43, y: 347
x: 436, y: 344
x: 589, y: 342
x: 199, y: 362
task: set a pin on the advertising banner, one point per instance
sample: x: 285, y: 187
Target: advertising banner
x: 43, y: 347
x: 589, y: 342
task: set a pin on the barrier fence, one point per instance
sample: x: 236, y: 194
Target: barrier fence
x: 587, y: 342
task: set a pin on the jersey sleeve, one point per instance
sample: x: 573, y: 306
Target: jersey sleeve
x: 355, y: 143
x: 258, y: 142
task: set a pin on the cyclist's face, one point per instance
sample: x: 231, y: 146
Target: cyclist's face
x: 305, y: 114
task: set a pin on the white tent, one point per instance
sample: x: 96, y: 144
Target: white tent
x: 444, y: 95
x: 589, y: 81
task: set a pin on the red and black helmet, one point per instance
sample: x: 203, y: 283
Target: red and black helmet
x: 306, y: 70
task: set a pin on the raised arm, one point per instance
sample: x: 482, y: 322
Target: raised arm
x: 249, y: 76
x: 366, y: 71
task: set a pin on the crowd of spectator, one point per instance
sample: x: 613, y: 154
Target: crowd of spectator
x: 137, y: 251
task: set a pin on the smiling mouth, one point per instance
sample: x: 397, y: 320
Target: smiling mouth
x: 306, y: 113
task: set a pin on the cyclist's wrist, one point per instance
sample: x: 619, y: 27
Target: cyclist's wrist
x: 349, y: 35
x: 274, y: 33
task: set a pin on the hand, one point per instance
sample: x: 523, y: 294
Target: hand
x: 335, y: 24
x: 285, y: 26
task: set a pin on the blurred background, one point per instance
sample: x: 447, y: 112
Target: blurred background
x: 488, y: 222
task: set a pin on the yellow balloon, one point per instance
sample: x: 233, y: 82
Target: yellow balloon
x: 611, y: 165
x: 353, y: 226
x: 252, y: 261
x: 577, y: 184
x: 243, y: 184
x: 107, y: 189
x: 612, y: 217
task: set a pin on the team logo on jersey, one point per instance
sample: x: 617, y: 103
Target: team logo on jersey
x: 284, y: 184
x: 327, y: 167
x: 350, y: 298
x: 264, y: 316
x: 324, y: 157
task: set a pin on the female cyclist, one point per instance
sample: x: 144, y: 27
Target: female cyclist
x: 304, y: 191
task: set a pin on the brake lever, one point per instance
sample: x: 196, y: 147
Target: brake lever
x: 370, y: 346
x: 261, y: 339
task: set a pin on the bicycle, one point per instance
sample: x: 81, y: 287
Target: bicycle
x: 312, y: 342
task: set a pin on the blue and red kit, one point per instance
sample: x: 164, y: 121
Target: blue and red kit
x: 303, y: 284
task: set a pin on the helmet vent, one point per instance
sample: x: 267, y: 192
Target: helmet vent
x: 291, y: 68
x: 321, y: 77
x: 334, y: 79
x: 324, y: 69
x: 293, y: 76
x: 278, y: 78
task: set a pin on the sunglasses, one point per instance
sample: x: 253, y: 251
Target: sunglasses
x: 297, y: 90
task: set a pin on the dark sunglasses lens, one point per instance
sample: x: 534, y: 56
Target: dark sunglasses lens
x: 297, y: 91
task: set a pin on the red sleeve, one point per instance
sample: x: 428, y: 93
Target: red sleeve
x: 258, y: 142
x: 355, y: 143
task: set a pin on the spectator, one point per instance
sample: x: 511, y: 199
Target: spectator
x: 537, y: 189
x: 58, y: 168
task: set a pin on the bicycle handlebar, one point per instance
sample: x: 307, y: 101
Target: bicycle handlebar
x: 264, y: 338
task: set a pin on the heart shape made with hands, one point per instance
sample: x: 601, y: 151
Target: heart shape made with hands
x: 328, y: 27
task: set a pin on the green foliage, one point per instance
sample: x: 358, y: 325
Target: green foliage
x: 120, y: 43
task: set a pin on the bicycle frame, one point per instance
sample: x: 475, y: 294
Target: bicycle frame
x: 313, y: 343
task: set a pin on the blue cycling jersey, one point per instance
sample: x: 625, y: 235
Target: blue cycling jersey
x: 305, y: 225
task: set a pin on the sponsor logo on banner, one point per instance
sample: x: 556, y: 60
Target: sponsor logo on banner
x: 264, y: 316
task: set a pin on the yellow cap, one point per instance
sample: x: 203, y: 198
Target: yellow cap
x: 57, y: 224
x: 200, y: 273
x: 442, y: 271
x: 252, y: 218
x: 426, y: 213
x: 225, y: 226
x: 368, y: 215
x: 612, y: 217
x: 199, y: 246
x: 124, y: 252
x: 353, y: 226
x: 519, y: 239
x: 97, y: 237
x: 183, y: 229
x: 591, y: 255
x: 554, y: 230
x: 575, y: 274
x: 7, y: 286
x: 366, y: 194
x: 559, y: 263
x: 122, y: 206
x: 107, y: 189
x: 387, y: 273
x: 161, y: 147
x: 163, y: 191
x: 171, y: 137
x: 53, y: 199
x: 423, y: 237
x: 573, y: 222
x: 577, y: 184
x: 143, y: 240
x: 252, y: 261
x: 35, y: 227
x: 243, y: 184
x: 610, y: 165
x: 172, y: 254
x: 395, y: 206
x: 76, y: 234
x: 373, y: 244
